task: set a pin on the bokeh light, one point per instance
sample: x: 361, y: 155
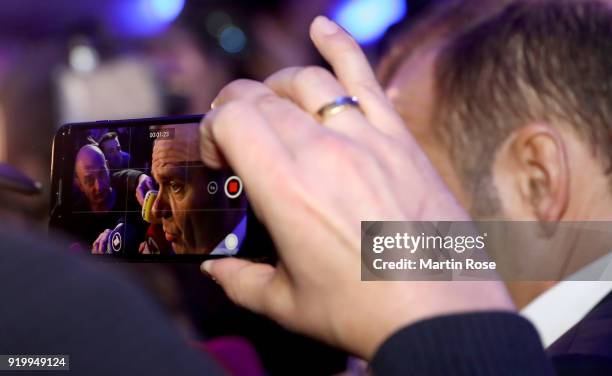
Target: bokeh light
x: 232, y: 39
x: 145, y: 17
x: 367, y: 20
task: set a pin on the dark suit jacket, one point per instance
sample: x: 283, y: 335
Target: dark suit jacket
x: 586, y: 349
x: 472, y: 344
x: 55, y: 303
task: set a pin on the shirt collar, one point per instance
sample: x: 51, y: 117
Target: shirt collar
x: 561, y: 307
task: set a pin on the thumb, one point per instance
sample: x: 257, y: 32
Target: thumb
x: 246, y: 283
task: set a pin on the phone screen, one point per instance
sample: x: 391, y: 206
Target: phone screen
x: 137, y: 189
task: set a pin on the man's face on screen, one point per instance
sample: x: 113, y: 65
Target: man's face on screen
x: 177, y: 204
x: 92, y: 175
x: 112, y: 151
x: 191, y: 217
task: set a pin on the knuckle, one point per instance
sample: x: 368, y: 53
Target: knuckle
x: 368, y: 91
x: 240, y: 88
x: 236, y: 87
x: 273, y: 107
x: 281, y: 74
x: 233, y: 112
x: 310, y: 75
x: 267, y: 100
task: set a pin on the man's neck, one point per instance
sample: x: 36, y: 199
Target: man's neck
x: 591, y: 241
x: 523, y: 293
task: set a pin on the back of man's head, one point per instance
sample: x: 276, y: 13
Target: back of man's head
x: 107, y: 137
x: 439, y: 23
x: 537, y: 61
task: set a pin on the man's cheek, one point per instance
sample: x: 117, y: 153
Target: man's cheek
x: 192, y: 206
x: 178, y: 248
x: 178, y: 212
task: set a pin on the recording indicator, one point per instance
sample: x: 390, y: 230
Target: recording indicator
x: 233, y: 187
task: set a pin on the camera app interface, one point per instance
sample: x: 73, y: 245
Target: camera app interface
x: 143, y: 190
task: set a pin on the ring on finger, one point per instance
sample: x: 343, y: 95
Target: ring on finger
x: 337, y: 106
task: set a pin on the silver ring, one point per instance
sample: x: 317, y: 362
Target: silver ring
x: 338, y: 105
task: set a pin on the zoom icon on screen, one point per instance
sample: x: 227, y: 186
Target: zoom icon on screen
x: 212, y: 187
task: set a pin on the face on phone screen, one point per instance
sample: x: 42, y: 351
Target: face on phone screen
x: 139, y: 190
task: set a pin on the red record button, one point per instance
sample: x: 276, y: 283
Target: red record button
x: 233, y: 187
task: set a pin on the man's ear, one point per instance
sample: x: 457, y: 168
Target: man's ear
x: 540, y: 156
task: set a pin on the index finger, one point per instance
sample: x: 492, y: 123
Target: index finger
x: 239, y: 134
x: 257, y: 97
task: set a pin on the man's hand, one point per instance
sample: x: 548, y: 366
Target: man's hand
x: 99, y: 245
x: 145, y: 184
x: 321, y: 180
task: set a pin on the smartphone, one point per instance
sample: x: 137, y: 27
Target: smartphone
x: 137, y: 190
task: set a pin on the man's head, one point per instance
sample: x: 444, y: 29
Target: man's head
x: 193, y: 220
x: 515, y: 110
x: 407, y: 72
x: 110, y: 146
x: 92, y: 176
x: 437, y: 25
x: 510, y: 106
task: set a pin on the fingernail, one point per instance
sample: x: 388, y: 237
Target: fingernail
x: 206, y: 267
x: 325, y: 25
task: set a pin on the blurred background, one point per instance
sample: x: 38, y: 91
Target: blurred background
x: 68, y: 61
x: 83, y: 60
